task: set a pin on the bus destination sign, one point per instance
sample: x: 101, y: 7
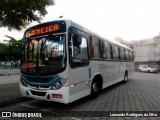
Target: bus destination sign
x: 52, y: 27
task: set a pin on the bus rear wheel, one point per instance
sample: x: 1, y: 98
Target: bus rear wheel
x: 125, y: 77
x: 94, y: 89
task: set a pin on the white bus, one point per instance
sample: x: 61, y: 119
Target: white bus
x: 63, y: 62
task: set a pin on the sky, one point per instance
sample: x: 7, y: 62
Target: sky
x: 127, y: 19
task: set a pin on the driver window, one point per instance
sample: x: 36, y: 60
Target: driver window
x: 84, y: 48
x: 80, y: 48
x: 76, y: 46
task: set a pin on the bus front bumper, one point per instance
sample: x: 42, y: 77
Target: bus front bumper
x: 61, y: 95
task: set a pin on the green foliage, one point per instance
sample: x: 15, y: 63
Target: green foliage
x: 3, y: 49
x: 17, y: 14
x: 11, y: 50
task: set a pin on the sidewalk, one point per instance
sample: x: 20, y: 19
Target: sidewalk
x: 9, y: 79
x: 9, y: 87
x: 9, y: 71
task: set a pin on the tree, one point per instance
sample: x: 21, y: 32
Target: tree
x: 12, y: 50
x: 17, y: 14
x: 3, y: 51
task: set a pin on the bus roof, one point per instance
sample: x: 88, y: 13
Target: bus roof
x: 85, y: 30
x: 100, y: 37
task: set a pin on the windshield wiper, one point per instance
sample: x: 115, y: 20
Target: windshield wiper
x: 43, y: 45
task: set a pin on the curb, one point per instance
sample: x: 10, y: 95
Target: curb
x: 8, y: 74
x: 13, y: 101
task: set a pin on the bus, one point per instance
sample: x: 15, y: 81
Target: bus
x: 63, y: 61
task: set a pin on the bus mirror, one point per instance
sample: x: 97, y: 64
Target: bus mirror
x: 71, y: 35
x: 77, y: 39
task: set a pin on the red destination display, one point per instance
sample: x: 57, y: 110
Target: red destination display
x: 42, y: 30
x: 46, y: 28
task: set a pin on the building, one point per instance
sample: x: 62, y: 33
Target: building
x: 147, y: 51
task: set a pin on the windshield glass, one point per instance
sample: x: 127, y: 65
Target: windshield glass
x: 44, y: 55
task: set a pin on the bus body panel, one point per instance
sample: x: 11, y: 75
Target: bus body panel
x: 80, y: 94
x: 108, y: 72
x: 78, y: 83
x: 64, y: 91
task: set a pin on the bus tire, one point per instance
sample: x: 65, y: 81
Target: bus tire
x: 125, y: 77
x: 94, y: 89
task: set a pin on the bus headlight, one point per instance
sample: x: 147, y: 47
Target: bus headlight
x: 59, y: 83
x: 23, y: 82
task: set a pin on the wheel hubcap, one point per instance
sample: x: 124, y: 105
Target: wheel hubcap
x: 95, y: 87
x: 126, y: 78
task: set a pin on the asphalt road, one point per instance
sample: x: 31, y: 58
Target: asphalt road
x: 9, y: 71
x: 141, y: 94
x: 9, y: 84
x: 9, y: 91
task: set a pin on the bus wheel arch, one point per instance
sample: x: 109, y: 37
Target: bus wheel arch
x: 96, y: 86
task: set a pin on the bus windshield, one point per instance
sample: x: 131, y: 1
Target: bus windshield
x: 44, y: 56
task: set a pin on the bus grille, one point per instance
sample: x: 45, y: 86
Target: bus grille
x: 39, y: 79
x: 38, y: 93
x: 39, y: 86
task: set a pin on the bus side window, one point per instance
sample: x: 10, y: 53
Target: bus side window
x: 84, y: 49
x: 108, y: 50
x: 99, y: 48
x: 131, y: 56
x: 103, y: 50
x: 96, y: 48
x: 119, y: 53
x: 91, y: 48
x: 124, y: 54
x: 115, y: 52
x: 111, y: 51
x: 127, y: 55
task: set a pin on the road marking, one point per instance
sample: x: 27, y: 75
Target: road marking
x: 74, y: 118
x: 45, y: 110
x: 6, y: 118
x: 8, y: 85
x: 35, y: 107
